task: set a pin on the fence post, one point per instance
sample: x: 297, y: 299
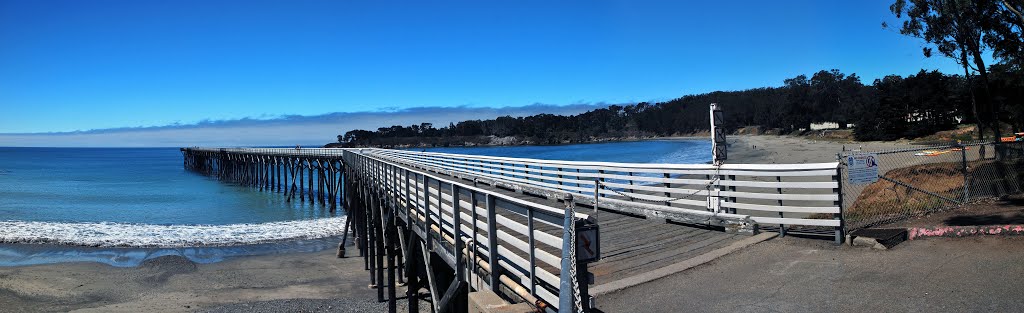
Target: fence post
x: 456, y: 230
x: 714, y: 199
x: 492, y: 242
x: 668, y: 194
x: 568, y: 284
x: 841, y: 229
x: 731, y: 199
x: 782, y: 227
x: 963, y: 169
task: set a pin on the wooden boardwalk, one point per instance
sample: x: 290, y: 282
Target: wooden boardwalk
x: 632, y: 245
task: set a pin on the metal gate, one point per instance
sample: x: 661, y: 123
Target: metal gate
x: 918, y: 181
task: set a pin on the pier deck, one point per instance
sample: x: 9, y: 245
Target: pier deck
x: 632, y: 245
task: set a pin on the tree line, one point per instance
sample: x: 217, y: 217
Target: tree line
x: 887, y: 108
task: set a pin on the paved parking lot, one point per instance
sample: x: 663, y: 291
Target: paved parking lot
x: 805, y: 275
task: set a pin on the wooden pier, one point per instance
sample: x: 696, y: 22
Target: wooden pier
x: 446, y: 224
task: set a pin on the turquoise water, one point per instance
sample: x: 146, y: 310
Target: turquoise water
x: 147, y: 185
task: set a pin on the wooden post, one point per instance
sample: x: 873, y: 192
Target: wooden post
x: 380, y: 250
x: 668, y: 194
x: 302, y: 181
x: 309, y: 190
x: 412, y: 271
x: 391, y: 249
x: 371, y: 227
x: 782, y: 227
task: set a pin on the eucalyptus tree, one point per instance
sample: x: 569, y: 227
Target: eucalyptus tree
x: 1004, y: 34
x: 957, y: 29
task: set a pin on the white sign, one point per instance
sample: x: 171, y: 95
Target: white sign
x: 863, y: 168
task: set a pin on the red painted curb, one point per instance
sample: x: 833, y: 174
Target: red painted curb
x: 964, y: 231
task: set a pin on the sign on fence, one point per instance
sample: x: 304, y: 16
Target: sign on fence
x: 862, y: 168
x: 588, y: 244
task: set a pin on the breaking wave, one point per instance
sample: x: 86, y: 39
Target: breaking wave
x: 108, y: 234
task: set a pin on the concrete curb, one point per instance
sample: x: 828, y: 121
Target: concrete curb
x: 678, y: 267
x: 964, y: 231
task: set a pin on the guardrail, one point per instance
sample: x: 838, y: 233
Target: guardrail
x: 526, y: 238
x: 728, y: 195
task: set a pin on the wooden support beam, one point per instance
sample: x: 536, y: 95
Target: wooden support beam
x: 431, y: 281
x: 392, y: 281
x: 412, y: 271
x: 379, y: 234
x: 457, y: 286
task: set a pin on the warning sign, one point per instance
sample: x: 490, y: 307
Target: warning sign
x: 863, y: 168
x: 588, y: 244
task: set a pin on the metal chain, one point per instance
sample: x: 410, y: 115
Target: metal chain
x: 577, y: 298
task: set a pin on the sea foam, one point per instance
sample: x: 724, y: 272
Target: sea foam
x: 165, y: 236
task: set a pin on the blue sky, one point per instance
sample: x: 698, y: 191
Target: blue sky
x: 83, y: 65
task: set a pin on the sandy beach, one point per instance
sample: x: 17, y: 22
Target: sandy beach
x: 786, y: 149
x: 278, y: 282
x: 316, y: 282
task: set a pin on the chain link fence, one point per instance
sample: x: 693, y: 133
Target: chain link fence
x: 918, y: 181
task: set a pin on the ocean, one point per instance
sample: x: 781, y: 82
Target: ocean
x: 121, y: 206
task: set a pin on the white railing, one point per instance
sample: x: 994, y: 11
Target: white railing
x: 529, y: 250
x: 772, y: 194
x: 766, y: 193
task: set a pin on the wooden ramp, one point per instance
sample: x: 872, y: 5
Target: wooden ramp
x: 631, y: 246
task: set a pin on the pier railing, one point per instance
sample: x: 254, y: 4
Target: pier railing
x: 526, y: 238
x: 731, y: 195
x: 800, y: 197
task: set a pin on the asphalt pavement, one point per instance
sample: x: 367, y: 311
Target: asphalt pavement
x: 807, y: 275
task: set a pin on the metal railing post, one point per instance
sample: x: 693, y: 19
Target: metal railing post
x: 492, y: 240
x: 966, y: 174
x: 841, y: 229
x: 456, y: 230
